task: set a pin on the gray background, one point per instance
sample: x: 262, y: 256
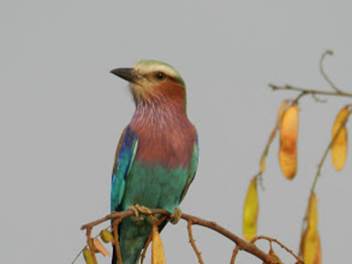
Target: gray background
x: 62, y: 113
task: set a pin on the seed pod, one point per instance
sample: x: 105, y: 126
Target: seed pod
x: 250, y: 211
x: 310, y: 249
x: 88, y: 256
x: 340, y: 137
x: 158, y: 256
x: 106, y: 236
x: 312, y: 217
x: 262, y: 163
x: 99, y: 247
x: 288, y: 141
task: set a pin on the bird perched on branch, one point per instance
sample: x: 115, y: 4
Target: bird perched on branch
x: 157, y: 155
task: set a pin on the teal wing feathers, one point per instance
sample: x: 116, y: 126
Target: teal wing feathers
x: 192, y: 169
x: 124, y: 157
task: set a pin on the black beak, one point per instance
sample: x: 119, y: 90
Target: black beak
x: 125, y: 73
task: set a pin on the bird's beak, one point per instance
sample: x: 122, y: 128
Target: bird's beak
x: 125, y: 73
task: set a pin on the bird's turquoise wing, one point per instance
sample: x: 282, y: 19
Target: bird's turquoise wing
x: 124, y: 157
x: 192, y: 169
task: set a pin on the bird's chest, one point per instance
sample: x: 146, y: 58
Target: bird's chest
x: 171, y: 148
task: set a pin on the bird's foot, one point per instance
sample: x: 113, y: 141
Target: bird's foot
x: 176, y: 216
x: 139, y: 210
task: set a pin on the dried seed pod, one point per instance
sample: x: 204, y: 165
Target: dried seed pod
x: 99, y: 247
x: 288, y: 141
x: 340, y: 137
x: 262, y: 163
x: 158, y: 255
x: 312, y: 217
x: 250, y: 211
x: 88, y: 256
x: 106, y: 236
x: 310, y: 249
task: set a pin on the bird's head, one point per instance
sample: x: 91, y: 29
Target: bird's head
x: 153, y: 82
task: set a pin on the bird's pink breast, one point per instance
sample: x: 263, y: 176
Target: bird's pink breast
x: 169, y: 145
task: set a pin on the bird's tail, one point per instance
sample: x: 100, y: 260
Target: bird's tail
x: 132, y: 241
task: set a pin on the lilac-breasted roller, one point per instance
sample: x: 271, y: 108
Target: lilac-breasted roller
x: 157, y: 155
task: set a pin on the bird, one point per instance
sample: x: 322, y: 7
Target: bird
x: 157, y: 155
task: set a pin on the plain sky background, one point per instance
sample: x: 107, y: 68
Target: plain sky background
x: 62, y: 113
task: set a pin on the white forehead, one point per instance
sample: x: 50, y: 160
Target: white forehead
x: 148, y: 66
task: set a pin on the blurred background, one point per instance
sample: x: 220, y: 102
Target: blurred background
x: 62, y: 113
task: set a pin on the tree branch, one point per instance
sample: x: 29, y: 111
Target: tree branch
x: 194, y: 220
x: 307, y: 91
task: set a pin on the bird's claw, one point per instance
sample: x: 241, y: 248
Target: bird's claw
x: 140, y: 209
x: 176, y: 216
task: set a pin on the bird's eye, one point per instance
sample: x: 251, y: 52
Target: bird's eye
x: 160, y: 76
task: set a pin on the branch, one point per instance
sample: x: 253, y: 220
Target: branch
x: 115, y: 226
x: 234, y: 254
x: 307, y: 91
x: 313, y: 92
x: 193, y: 243
x: 273, y: 240
x: 194, y: 220
x: 324, y: 74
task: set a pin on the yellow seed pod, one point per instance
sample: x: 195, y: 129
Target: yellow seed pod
x: 310, y: 248
x: 88, y: 256
x: 99, y: 247
x: 312, y: 217
x: 106, y: 236
x: 340, y: 136
x: 158, y: 255
x: 250, y: 211
x: 288, y: 141
x: 262, y: 163
x: 285, y: 104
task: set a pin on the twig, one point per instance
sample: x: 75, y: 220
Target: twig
x: 115, y: 226
x: 144, y: 252
x: 234, y: 254
x: 273, y: 240
x: 318, y: 100
x: 242, y: 244
x: 77, y: 256
x: 324, y: 74
x: 193, y: 243
x: 299, y: 96
x: 307, y: 91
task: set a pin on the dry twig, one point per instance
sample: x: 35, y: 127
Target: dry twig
x: 193, y: 243
x: 115, y: 226
x: 234, y: 254
x: 273, y: 240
